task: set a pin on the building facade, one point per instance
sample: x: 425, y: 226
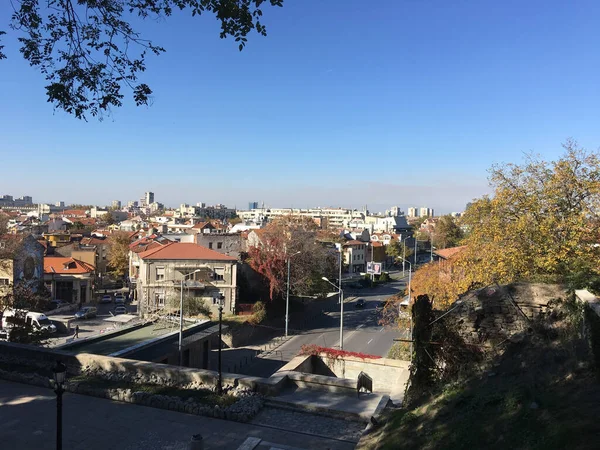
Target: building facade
x: 208, y: 275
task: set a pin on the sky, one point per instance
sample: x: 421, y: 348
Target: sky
x: 344, y: 103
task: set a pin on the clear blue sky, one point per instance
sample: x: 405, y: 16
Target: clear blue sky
x: 345, y: 102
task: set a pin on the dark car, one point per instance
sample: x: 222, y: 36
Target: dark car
x: 381, y: 305
x: 360, y: 303
x: 87, y: 312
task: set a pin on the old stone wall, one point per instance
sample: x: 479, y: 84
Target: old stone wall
x: 495, y: 313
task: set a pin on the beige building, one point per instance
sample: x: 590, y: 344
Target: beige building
x: 209, y: 275
x: 69, y: 279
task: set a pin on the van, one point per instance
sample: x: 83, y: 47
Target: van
x: 38, y: 321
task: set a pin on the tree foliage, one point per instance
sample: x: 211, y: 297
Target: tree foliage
x: 3, y: 223
x: 23, y: 298
x: 89, y: 50
x: 108, y: 218
x: 447, y: 233
x: 118, y: 253
x: 398, y: 251
x: 541, y: 224
x: 192, y: 306
x: 295, y: 238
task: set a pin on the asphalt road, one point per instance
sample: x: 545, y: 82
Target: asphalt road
x: 362, y: 331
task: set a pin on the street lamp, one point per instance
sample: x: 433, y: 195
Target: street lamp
x: 220, y: 382
x: 341, y: 310
x: 181, y: 316
x: 59, y: 372
x: 287, y: 294
x: 404, y: 251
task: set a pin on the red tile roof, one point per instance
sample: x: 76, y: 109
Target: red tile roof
x: 449, y: 252
x: 185, y: 250
x: 66, y: 265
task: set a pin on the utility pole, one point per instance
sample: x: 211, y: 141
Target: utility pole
x: 220, y: 382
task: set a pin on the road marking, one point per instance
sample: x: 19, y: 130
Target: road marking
x: 360, y: 326
x: 370, y: 340
x: 382, y: 328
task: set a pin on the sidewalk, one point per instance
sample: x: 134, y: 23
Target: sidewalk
x: 28, y: 420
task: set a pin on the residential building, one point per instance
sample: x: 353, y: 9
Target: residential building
x: 330, y: 217
x: 226, y: 243
x: 252, y: 205
x: 116, y: 204
x: 355, y: 256
x: 425, y: 212
x: 21, y: 261
x: 57, y: 238
x: 69, y: 279
x: 60, y: 204
x: 148, y: 198
x: 412, y: 212
x: 211, y: 276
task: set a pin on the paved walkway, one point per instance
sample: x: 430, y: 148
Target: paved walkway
x: 28, y: 420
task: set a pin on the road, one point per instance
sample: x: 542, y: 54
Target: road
x: 362, y: 331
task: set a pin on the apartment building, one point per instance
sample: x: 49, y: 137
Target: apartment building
x: 327, y: 217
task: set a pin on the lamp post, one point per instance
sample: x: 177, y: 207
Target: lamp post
x: 59, y: 372
x: 287, y: 294
x: 220, y: 382
x: 403, y: 252
x: 181, y: 316
x: 341, y: 310
x: 411, y: 327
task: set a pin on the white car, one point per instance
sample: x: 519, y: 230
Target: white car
x: 119, y: 299
x: 120, y: 310
x: 106, y: 299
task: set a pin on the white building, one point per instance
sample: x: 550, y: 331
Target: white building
x: 327, y: 217
x: 425, y: 212
x: 412, y: 212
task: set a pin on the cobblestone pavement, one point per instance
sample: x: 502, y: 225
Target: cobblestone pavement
x: 299, y: 421
x: 28, y: 421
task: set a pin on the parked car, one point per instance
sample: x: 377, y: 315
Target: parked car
x: 119, y: 299
x: 106, y: 298
x: 360, y: 303
x: 87, y: 312
x: 380, y: 305
x: 120, y: 310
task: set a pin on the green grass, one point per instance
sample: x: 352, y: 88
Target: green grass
x: 203, y: 396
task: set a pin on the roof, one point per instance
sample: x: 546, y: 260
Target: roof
x: 201, y: 225
x: 66, y: 265
x: 449, y: 252
x: 354, y: 242
x: 185, y: 250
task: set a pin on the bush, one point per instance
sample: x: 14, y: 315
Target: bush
x: 259, y: 313
x: 384, y: 277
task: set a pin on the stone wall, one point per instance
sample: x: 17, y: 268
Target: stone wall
x: 495, y: 313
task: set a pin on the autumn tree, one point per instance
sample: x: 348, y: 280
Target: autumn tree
x: 3, y: 223
x: 541, y: 223
x: 447, y: 233
x: 398, y: 250
x: 107, y: 218
x: 118, y: 253
x: 295, y: 238
x: 89, y: 51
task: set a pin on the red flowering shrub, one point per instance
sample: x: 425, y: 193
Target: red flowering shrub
x: 333, y: 353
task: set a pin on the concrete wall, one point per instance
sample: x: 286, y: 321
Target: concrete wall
x: 231, y: 244
x: 387, y: 374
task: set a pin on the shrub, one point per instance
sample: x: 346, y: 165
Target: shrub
x: 259, y: 313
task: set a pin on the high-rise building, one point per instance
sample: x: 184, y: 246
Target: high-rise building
x: 60, y: 204
x: 425, y: 212
x: 252, y: 205
x: 412, y: 211
x: 148, y: 198
x: 395, y: 211
x: 116, y: 204
x: 132, y: 204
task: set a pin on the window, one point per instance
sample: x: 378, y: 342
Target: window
x: 4, y: 281
x: 210, y: 245
x: 160, y: 273
x: 2, y: 244
x: 219, y: 274
x: 160, y: 299
x: 219, y: 245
